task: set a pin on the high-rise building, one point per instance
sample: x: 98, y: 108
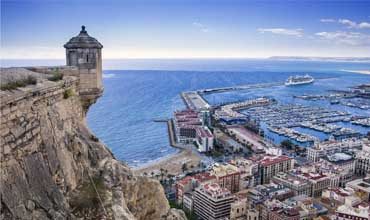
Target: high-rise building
x: 227, y: 176
x: 269, y: 166
x: 212, y: 202
x: 204, y: 139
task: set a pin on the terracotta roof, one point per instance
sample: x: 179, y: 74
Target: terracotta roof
x: 266, y: 161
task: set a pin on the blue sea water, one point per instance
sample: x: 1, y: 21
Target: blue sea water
x: 123, y: 117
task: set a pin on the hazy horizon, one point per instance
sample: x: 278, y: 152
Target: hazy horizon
x: 214, y: 65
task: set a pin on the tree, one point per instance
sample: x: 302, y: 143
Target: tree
x: 162, y: 173
x: 287, y: 144
x: 184, y: 167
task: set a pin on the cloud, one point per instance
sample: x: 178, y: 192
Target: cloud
x: 353, y: 24
x: 327, y: 20
x: 348, y: 38
x: 201, y: 27
x: 348, y: 23
x: 364, y: 25
x: 282, y: 31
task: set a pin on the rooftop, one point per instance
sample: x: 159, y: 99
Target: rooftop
x: 269, y: 160
x: 204, y: 132
x: 223, y: 170
x: 83, y: 40
x: 314, y: 176
x: 215, y: 190
x: 199, y: 177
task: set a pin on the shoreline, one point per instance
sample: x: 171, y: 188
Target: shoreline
x: 158, y: 160
x: 172, y: 163
x: 365, y: 72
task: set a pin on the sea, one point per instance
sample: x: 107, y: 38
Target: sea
x: 139, y: 91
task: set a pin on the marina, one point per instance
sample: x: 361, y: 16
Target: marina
x: 293, y: 134
x: 356, y: 97
x: 300, y: 123
x: 362, y: 121
x: 294, y: 121
x: 293, y: 115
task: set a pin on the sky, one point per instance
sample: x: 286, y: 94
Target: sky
x: 37, y: 29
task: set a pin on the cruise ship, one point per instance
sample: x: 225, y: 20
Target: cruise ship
x: 299, y: 80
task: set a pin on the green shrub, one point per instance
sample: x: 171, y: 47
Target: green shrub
x: 56, y: 76
x: 17, y: 83
x: 68, y: 93
x: 287, y: 144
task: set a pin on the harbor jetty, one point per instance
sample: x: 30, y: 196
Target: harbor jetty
x: 241, y: 87
x: 193, y: 100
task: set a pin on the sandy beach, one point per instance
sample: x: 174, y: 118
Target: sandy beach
x: 358, y: 71
x: 173, y: 163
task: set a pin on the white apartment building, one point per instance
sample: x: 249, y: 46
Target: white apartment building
x: 211, y: 202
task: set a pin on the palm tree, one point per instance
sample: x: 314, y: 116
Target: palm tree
x: 162, y: 173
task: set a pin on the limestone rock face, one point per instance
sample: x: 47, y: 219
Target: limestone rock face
x: 53, y: 167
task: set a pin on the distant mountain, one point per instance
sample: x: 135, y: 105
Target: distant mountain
x: 330, y: 59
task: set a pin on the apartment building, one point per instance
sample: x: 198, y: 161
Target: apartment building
x: 269, y: 166
x: 189, y: 183
x: 298, y: 185
x: 227, y: 176
x: 212, y: 202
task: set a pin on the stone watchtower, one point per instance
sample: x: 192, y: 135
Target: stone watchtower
x: 84, y: 52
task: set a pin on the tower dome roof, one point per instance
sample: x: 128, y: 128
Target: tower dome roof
x: 83, y: 40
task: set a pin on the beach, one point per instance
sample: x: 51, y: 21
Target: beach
x: 173, y: 163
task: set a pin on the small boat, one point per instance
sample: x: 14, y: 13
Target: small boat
x: 334, y: 101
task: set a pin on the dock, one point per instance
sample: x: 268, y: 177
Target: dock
x: 193, y: 100
x: 161, y: 120
x: 241, y: 87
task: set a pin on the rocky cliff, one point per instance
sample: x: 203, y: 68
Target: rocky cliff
x: 53, y: 167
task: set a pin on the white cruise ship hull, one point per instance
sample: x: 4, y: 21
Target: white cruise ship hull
x: 299, y: 83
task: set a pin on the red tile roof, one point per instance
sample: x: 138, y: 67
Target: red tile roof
x: 268, y: 160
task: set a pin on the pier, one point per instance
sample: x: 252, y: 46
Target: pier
x: 242, y: 87
x: 161, y: 120
x: 193, y: 100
